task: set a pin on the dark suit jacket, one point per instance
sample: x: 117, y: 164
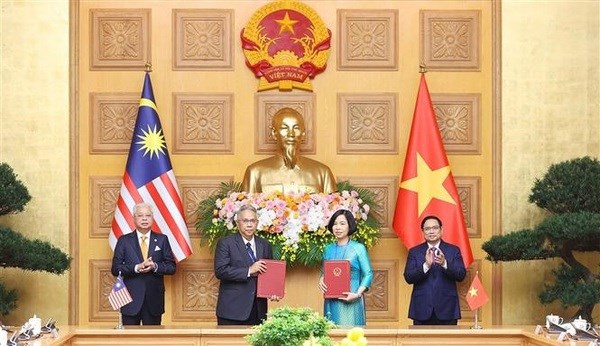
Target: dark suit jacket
x: 236, y: 290
x: 436, y: 289
x: 149, y: 286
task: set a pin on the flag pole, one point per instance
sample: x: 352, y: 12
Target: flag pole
x: 120, y: 322
x: 477, y: 325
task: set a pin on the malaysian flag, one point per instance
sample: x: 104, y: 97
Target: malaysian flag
x: 119, y: 295
x: 149, y: 178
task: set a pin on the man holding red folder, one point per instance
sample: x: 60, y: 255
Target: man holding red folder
x: 238, y: 262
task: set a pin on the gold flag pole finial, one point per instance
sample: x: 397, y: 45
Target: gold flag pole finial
x: 422, y: 67
x: 148, y: 66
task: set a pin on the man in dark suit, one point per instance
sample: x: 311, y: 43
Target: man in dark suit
x: 143, y: 257
x: 433, y: 268
x: 237, y: 264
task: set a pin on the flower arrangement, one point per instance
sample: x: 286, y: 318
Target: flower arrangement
x: 295, y: 224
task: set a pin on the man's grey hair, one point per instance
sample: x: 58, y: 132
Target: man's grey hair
x: 142, y: 205
x: 244, y: 208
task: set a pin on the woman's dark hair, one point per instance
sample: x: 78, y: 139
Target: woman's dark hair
x: 431, y: 217
x: 349, y: 217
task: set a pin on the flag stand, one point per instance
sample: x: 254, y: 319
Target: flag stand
x: 476, y: 326
x: 120, y: 323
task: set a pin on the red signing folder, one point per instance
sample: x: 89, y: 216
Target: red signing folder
x: 336, y: 275
x: 272, y: 282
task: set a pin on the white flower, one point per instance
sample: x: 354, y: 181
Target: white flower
x: 265, y: 218
x: 314, y: 218
x: 291, y: 231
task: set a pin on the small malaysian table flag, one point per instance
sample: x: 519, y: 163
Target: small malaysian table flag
x: 119, y: 295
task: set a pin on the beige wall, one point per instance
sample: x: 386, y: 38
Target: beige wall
x: 550, y: 113
x: 550, y: 99
x: 34, y: 140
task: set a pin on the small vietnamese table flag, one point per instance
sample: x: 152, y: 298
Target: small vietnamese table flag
x: 149, y: 178
x: 427, y: 186
x: 476, y: 295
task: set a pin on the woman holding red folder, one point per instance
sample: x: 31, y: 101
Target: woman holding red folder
x: 349, y: 309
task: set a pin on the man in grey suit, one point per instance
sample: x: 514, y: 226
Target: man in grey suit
x: 143, y: 257
x: 238, y: 261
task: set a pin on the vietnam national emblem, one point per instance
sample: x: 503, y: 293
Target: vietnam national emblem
x: 286, y: 44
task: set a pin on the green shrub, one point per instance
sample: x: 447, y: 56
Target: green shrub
x: 18, y: 251
x: 570, y: 192
x: 291, y: 327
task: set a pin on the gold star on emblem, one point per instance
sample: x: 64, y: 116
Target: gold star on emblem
x: 428, y: 184
x: 473, y: 292
x: 286, y: 24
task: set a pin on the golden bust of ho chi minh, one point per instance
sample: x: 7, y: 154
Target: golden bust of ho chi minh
x: 288, y: 171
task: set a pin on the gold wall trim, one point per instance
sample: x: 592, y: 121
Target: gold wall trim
x: 73, y: 160
x: 496, y: 153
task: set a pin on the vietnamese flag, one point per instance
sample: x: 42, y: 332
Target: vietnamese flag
x: 476, y: 296
x: 427, y: 186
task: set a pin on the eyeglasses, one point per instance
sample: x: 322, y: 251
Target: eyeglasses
x: 432, y: 228
x: 248, y: 221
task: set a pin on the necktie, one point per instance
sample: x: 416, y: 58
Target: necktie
x: 432, y: 252
x: 144, y: 247
x: 250, y: 252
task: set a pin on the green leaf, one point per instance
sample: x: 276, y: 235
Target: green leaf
x: 13, y: 194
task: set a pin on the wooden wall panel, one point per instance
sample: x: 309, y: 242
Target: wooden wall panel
x: 386, y: 191
x: 367, y: 39
x: 195, y: 292
x: 203, y: 39
x: 358, y: 120
x: 367, y: 123
x: 101, y: 281
x: 458, y: 118
x: 450, y: 40
x: 120, y: 38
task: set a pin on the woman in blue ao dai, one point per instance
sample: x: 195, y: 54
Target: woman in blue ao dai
x: 350, y: 309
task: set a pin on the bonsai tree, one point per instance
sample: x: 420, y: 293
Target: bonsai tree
x: 570, y: 192
x: 18, y: 251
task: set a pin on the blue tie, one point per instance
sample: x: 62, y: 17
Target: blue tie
x: 250, y: 252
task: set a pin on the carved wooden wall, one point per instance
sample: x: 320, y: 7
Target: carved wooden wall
x: 358, y: 119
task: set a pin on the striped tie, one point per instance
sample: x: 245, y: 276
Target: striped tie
x: 250, y: 252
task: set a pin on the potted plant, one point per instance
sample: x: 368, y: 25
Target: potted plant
x: 292, y: 327
x: 570, y: 192
x: 18, y: 251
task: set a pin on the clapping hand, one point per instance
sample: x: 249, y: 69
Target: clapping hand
x: 147, y: 266
x: 429, y: 258
x: 439, y: 257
